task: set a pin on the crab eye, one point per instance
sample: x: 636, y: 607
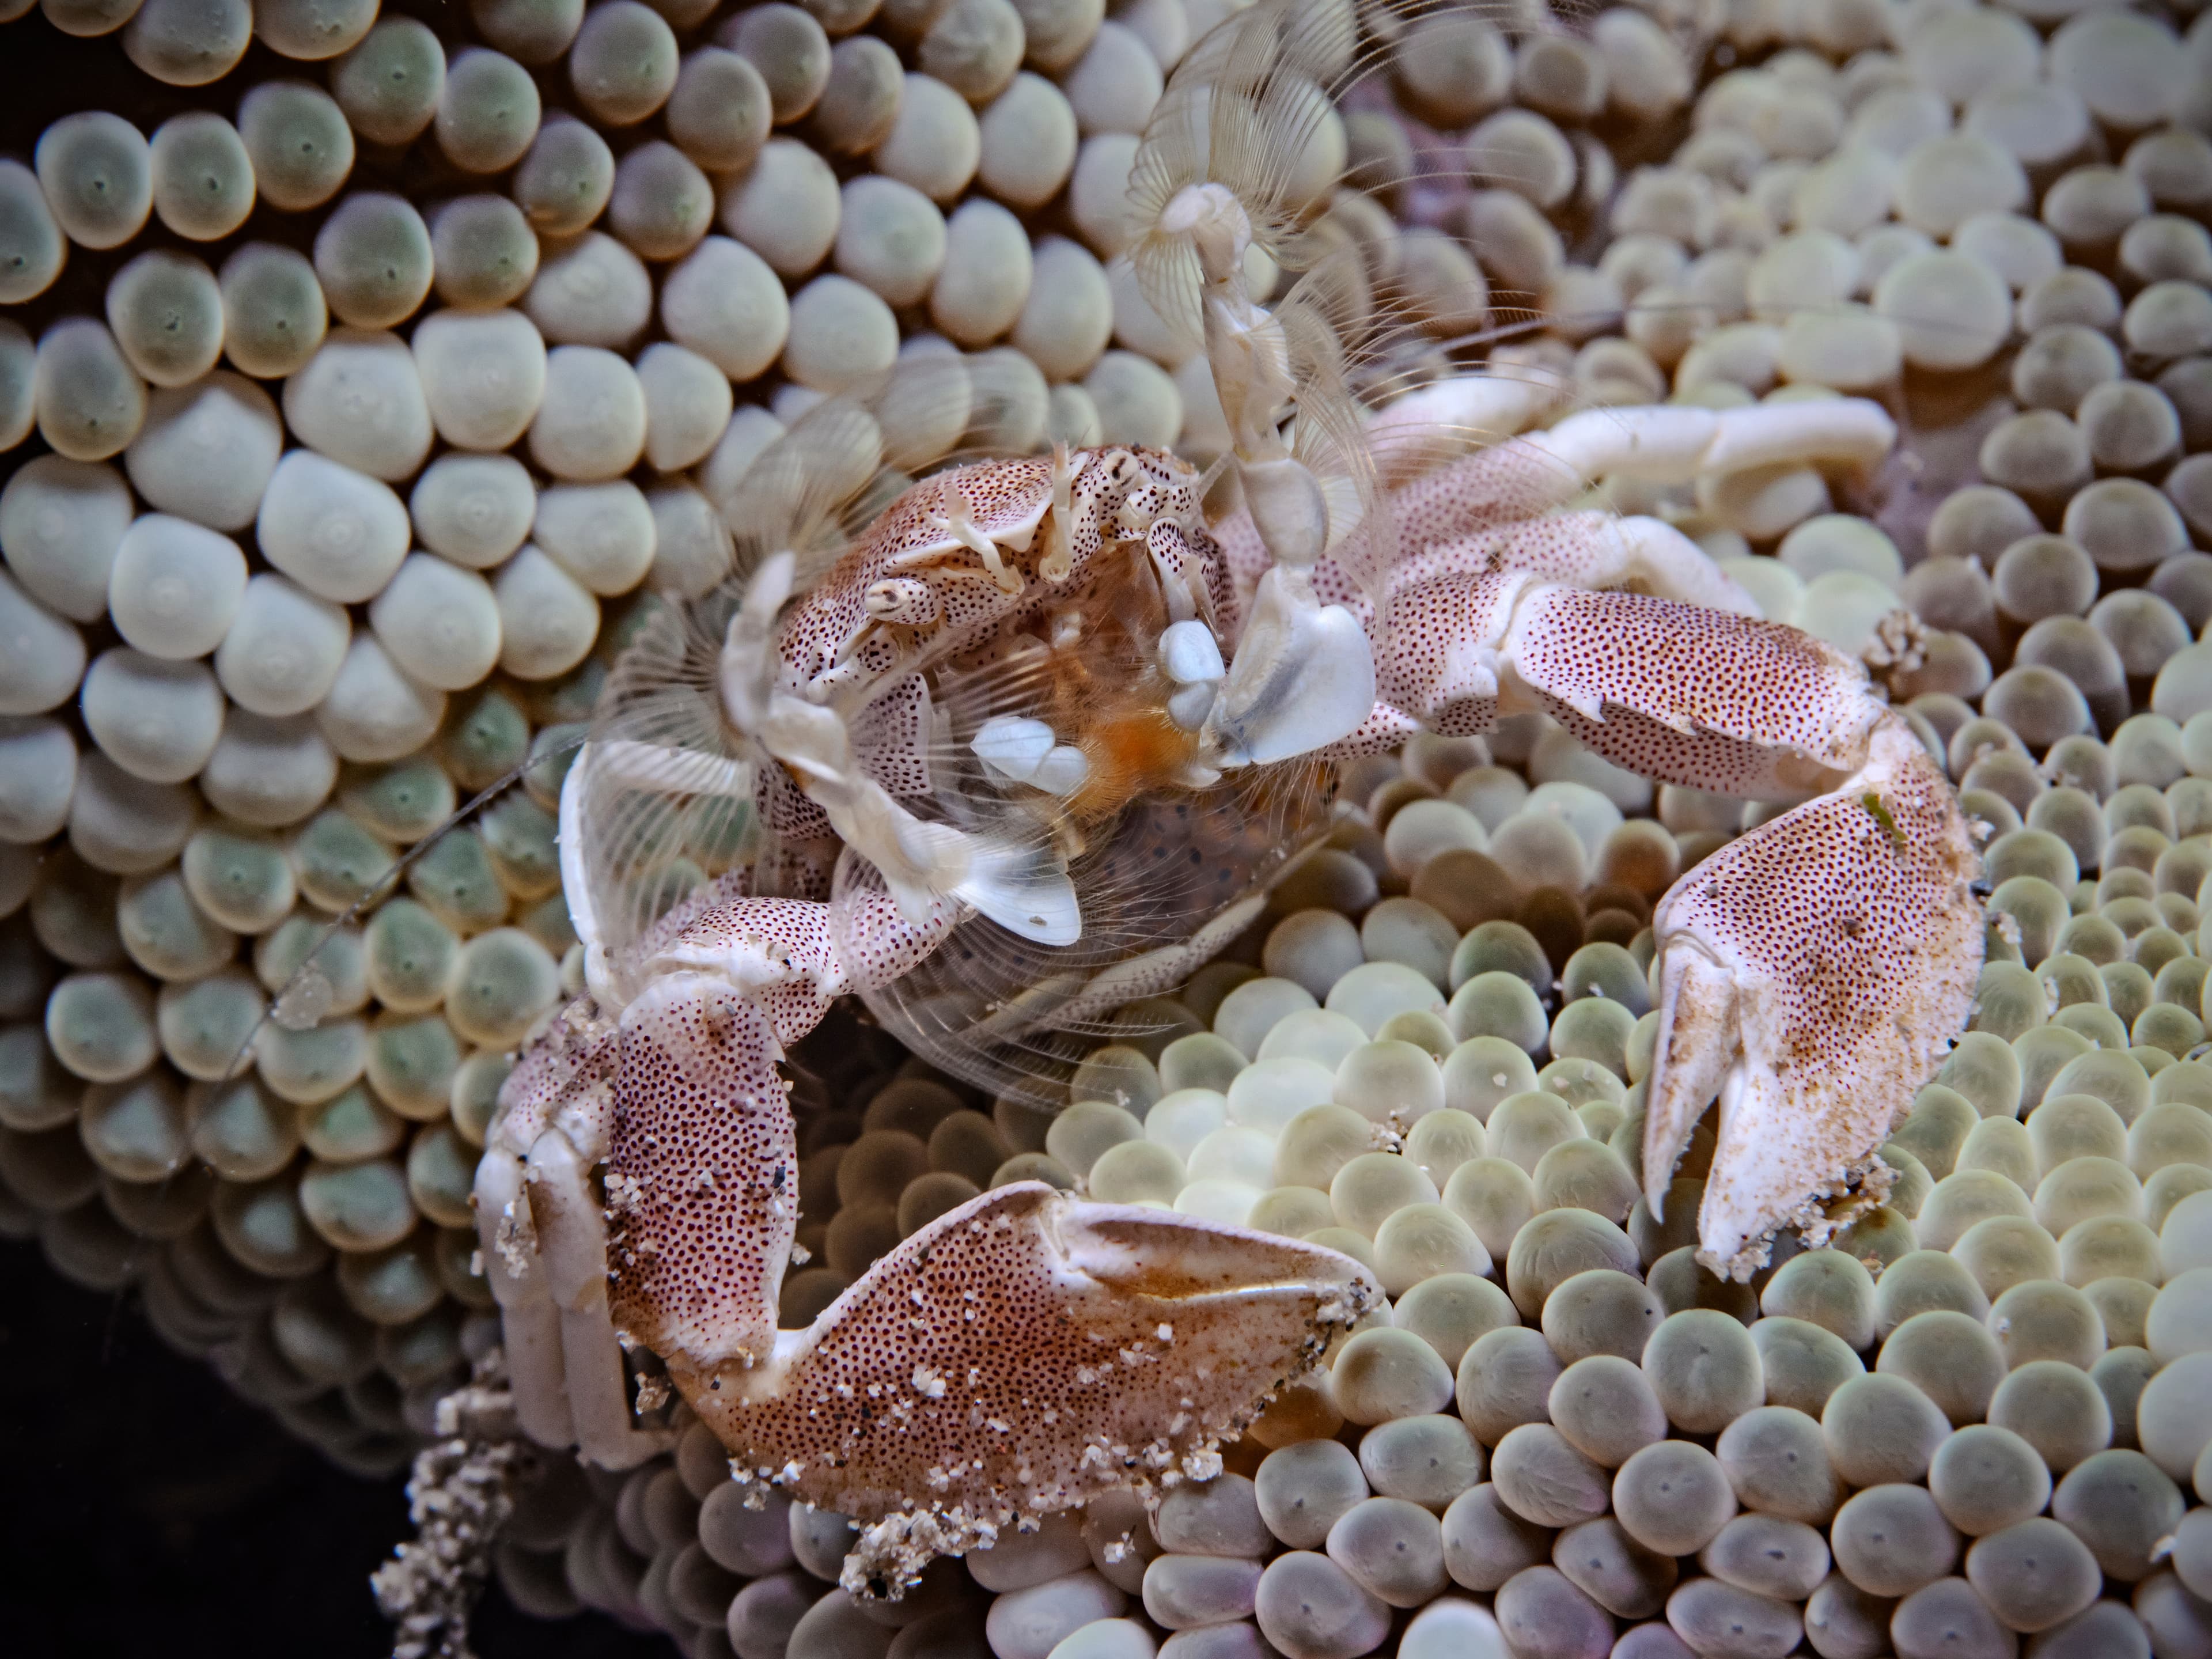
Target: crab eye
x: 907, y: 600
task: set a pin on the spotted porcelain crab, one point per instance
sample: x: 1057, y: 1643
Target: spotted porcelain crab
x: 1037, y: 742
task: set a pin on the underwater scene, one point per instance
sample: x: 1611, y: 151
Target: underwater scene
x: 1106, y: 829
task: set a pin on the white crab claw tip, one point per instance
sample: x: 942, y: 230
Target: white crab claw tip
x: 1189, y: 705
x: 1024, y: 888
x: 1189, y: 652
x: 1061, y: 772
x: 1815, y: 1052
x: 1215, y: 221
x: 1170, y: 1255
x: 1013, y: 746
x: 1321, y: 688
x: 771, y: 583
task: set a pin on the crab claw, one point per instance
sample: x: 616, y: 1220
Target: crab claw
x: 1813, y: 972
x: 1019, y: 1355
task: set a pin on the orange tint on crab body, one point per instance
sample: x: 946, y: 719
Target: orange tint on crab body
x: 993, y: 543
x: 1131, y: 752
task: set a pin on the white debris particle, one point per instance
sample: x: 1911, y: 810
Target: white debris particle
x: 457, y: 1498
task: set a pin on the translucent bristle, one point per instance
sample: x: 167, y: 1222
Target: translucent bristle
x: 1162, y: 887
x: 678, y: 797
x: 1241, y: 112
x: 806, y: 493
x: 1256, y: 107
x: 1327, y: 324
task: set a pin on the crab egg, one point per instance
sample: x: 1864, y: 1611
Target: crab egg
x: 202, y: 179
x: 274, y: 313
x: 97, y: 172
x: 298, y: 141
x: 566, y: 177
x: 1189, y: 705
x: 388, y: 85
x: 488, y: 112
x: 1062, y: 771
x: 33, y: 245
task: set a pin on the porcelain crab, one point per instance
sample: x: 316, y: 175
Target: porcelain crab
x: 1035, y: 743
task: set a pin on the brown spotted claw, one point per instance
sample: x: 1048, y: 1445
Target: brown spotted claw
x: 1018, y: 1356
x: 1813, y: 972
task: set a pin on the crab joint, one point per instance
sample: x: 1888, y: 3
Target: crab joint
x: 1058, y: 561
x: 907, y: 600
x: 954, y: 518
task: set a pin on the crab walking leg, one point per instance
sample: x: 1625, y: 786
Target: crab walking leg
x: 1688, y: 695
x: 529, y: 1320
x: 1442, y: 421
x: 1672, y: 691
x: 1020, y: 1355
x: 1814, y: 972
x: 572, y: 1244
x: 1665, y: 443
x: 1592, y: 549
x: 1016, y: 1356
x: 559, y: 1092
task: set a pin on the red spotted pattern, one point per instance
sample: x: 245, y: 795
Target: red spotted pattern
x: 1025, y: 1351
x: 1848, y: 942
x: 1694, y: 696
x: 702, y: 1184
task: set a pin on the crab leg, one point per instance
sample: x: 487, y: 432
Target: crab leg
x: 1812, y: 971
x: 543, y: 1242
x: 1815, y: 970
x: 1303, y: 676
x: 1689, y: 694
x: 1664, y: 443
x: 1121, y: 1343
x: 702, y: 1165
x: 530, y: 1321
x: 1442, y: 421
x: 1589, y: 549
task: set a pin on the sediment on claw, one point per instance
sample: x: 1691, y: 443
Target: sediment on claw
x: 1862, y: 1187
x: 1148, y: 1341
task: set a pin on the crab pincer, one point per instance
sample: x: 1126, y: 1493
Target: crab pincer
x: 1018, y: 1356
x: 1814, y: 972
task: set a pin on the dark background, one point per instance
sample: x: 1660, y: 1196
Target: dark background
x: 146, y: 1509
